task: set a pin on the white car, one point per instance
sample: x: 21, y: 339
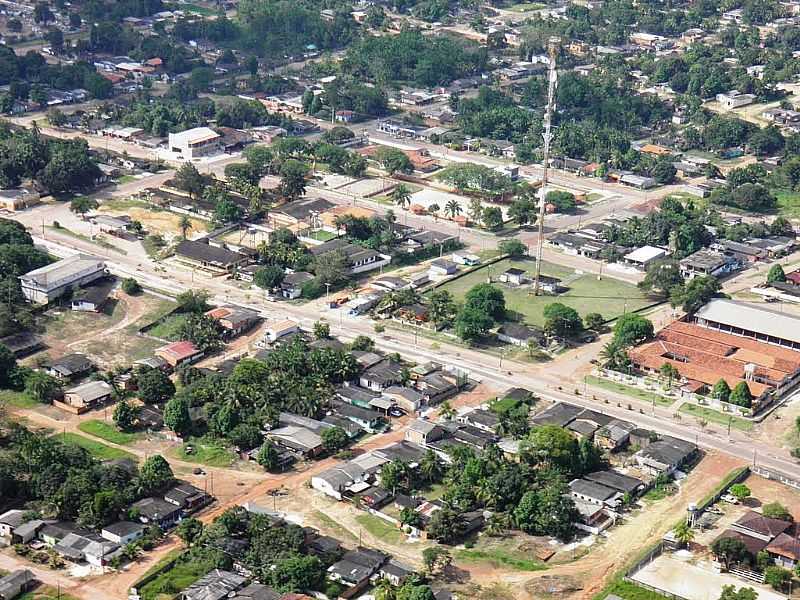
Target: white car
x: 730, y: 499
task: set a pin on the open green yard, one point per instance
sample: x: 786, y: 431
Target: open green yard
x: 45, y: 592
x: 628, y: 390
x: 67, y: 325
x: 788, y: 203
x: 609, y: 297
x: 178, y: 578
x: 107, y: 432
x: 511, y: 552
x: 629, y: 591
x: 715, y: 416
x: 321, y: 235
x: 527, y: 6
x: 380, y: 528
x: 169, y: 328
x: 204, y: 452
x: 97, y: 449
x: 16, y: 399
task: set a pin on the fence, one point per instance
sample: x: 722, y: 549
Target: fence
x: 775, y: 476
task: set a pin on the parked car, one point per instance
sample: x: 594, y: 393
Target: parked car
x: 730, y: 499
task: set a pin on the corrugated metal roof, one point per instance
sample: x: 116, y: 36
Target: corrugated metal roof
x: 752, y: 318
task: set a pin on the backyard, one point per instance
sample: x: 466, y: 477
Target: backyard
x: 609, y: 297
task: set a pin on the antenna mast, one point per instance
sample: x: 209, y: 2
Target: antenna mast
x: 552, y: 47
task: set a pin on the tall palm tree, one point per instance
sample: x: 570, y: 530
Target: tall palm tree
x: 185, y: 225
x: 446, y: 410
x: 452, y: 208
x: 683, y: 533
x: 401, y: 195
x: 429, y: 467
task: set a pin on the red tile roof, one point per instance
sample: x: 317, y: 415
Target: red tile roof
x: 179, y: 350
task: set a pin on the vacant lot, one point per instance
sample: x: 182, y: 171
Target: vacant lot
x: 204, y: 452
x: 97, y: 449
x: 609, y: 297
x: 155, y: 221
x: 108, y: 432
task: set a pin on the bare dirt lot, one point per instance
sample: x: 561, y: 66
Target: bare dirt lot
x: 161, y: 222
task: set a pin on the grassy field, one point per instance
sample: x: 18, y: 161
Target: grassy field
x: 499, y: 558
x: 527, y: 6
x: 321, y: 235
x: 45, y: 592
x: 715, y: 416
x: 633, y: 392
x: 108, y: 432
x: 586, y: 294
x: 68, y: 325
x: 629, y: 591
x: 97, y: 449
x: 178, y: 578
x: 16, y: 399
x: 210, y: 454
x: 169, y: 328
x: 789, y: 203
x: 380, y: 528
x: 333, y: 525
x: 79, y: 236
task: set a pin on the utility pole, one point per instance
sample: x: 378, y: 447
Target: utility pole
x: 552, y: 45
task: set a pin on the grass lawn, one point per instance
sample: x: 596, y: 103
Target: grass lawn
x: 434, y: 492
x: 499, y: 558
x: 321, y: 235
x: 715, y: 416
x: 108, y: 432
x: 97, y: 449
x: 86, y: 238
x: 169, y: 328
x: 16, y: 399
x: 124, y: 204
x: 333, y: 525
x: 45, y: 592
x: 659, y: 493
x: 178, y: 578
x: 629, y: 591
x: 586, y: 294
x: 788, y: 203
x: 380, y: 528
x: 68, y: 325
x: 628, y: 390
x: 126, y: 179
x: 526, y: 6
x: 211, y: 454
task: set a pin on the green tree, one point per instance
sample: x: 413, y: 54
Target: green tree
x: 561, y: 320
x: 729, y: 592
x: 436, y: 559
x: 401, y: 195
x: 176, y: 415
x: 721, y: 390
x: 594, y: 321
x: 492, y: 217
x: 185, y: 224
x: 695, y: 293
x: 268, y: 456
x: 441, y: 307
x: 523, y: 208
x: 155, y: 474
x: 81, y: 205
x: 155, y: 387
x: 190, y: 530
x: 661, y: 277
x: 564, y: 202
x: 269, y: 277
x: 452, y: 209
x: 631, y: 329
x: 487, y: 299
x: 776, y: 510
x: 471, y: 324
x: 740, y: 395
x: 668, y: 372
x: 42, y: 387
x: 130, y: 286
x: 730, y: 551
x: 394, y: 161
x: 125, y: 415
x: 776, y: 274
x: 740, y: 491
x: 777, y: 577
x: 513, y: 247
x: 322, y: 330
x: 293, y: 179
x: 190, y: 180
x: 684, y: 534
x: 334, y: 439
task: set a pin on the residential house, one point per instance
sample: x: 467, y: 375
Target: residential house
x: 708, y: 262
x: 94, y: 296
x: 357, y: 566
x: 519, y: 334
x: 480, y: 419
x: 69, y: 367
x: 370, y: 420
x: 123, y: 532
x: 734, y: 99
x: 758, y: 526
x: 595, y: 493
x: 16, y: 583
x: 785, y: 550
x: 86, y: 396
x: 625, y: 484
x: 200, y: 254
x: 306, y: 212
x: 235, y: 320
x: 275, y: 330
x: 560, y: 414
x: 157, y: 511
x: 395, y: 572
x: 292, y: 284
x: 514, y: 276
x: 356, y: 395
x: 297, y: 439
x: 215, y: 585
x: 52, y: 533
x: 436, y: 387
x: 406, y: 398
x: 179, y: 353
x: 382, y: 375
x: 9, y: 521
x: 644, y: 256
x: 359, y: 259
x: 45, y: 284
x: 28, y: 531
x: 258, y: 591
x: 423, y: 432
x: 614, y: 435
x: 23, y: 343
x: 665, y: 455
x: 441, y: 267
x: 88, y: 547
x: 187, y: 497
x: 194, y: 143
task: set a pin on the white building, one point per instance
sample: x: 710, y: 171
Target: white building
x: 734, y: 99
x: 195, y: 143
x: 47, y: 283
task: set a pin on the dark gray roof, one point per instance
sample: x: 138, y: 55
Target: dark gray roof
x: 215, y: 585
x: 385, y: 372
x: 257, y: 591
x: 615, y: 480
x: 591, y: 489
x: 304, y: 208
x: 22, y: 343
x: 204, y: 252
x: 71, y: 364
x: 668, y: 451
x: 123, y: 528
x: 97, y: 292
x: 356, y: 392
x: 560, y: 414
x: 356, y: 412
x: 154, y: 508
x: 518, y: 331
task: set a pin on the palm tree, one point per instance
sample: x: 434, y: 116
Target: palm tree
x: 670, y: 372
x: 185, y: 225
x: 401, y: 195
x: 683, y: 533
x: 452, y: 208
x: 434, y: 210
x: 384, y: 590
x: 614, y: 355
x: 446, y: 410
x: 429, y: 467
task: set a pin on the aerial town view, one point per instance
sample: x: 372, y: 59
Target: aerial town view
x: 399, y: 300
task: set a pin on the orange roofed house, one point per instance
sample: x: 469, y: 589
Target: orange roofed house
x: 178, y: 353
x: 703, y: 354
